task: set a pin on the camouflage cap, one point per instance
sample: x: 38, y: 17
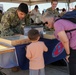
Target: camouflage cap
x: 23, y: 7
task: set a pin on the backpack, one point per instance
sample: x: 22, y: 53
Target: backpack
x: 71, y: 16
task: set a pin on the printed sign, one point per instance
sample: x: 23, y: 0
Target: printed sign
x: 58, y: 50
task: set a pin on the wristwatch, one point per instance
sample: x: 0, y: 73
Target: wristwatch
x: 67, y: 54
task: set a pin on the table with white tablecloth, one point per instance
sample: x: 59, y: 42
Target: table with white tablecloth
x: 8, y: 60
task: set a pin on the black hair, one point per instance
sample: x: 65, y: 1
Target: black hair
x: 23, y: 8
x: 57, y: 9
x: 1, y: 11
x: 36, y: 6
x: 63, y: 9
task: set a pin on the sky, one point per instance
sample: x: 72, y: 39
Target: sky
x: 41, y: 6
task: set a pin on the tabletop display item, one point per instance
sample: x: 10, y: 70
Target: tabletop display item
x: 15, y: 40
x: 49, y: 35
x: 39, y: 28
x: 4, y: 48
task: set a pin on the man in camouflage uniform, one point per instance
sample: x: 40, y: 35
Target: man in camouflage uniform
x: 12, y: 19
x: 52, y: 8
x: 27, y: 20
x: 11, y: 25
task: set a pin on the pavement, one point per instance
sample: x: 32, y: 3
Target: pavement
x: 49, y: 70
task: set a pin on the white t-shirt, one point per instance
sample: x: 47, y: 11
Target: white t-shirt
x: 37, y: 14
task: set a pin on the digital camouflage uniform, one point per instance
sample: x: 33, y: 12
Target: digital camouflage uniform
x: 27, y: 20
x: 10, y: 23
x: 55, y: 12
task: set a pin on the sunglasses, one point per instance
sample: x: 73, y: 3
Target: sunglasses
x: 45, y: 23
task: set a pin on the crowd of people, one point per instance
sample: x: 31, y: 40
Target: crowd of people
x: 11, y: 24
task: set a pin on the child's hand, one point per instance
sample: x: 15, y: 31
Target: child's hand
x: 26, y: 48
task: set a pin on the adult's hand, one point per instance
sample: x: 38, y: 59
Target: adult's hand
x: 67, y: 58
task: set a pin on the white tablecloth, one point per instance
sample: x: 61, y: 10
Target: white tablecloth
x: 8, y: 60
